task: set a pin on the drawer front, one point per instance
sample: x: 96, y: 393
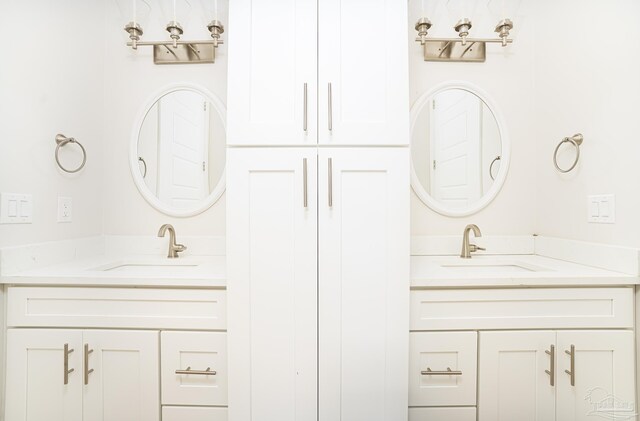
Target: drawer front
x: 536, y: 308
x: 116, y: 308
x: 177, y: 413
x: 441, y: 414
x: 432, y: 355
x: 194, y: 351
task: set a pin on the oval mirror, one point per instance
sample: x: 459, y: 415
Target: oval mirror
x: 459, y: 149
x: 177, y: 154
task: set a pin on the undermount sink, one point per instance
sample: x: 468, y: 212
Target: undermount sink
x: 487, y: 267
x: 149, y: 268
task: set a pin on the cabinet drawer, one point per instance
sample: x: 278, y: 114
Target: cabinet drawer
x: 431, y: 355
x: 442, y: 414
x: 181, y: 413
x: 536, y: 308
x: 195, y: 351
x: 116, y: 308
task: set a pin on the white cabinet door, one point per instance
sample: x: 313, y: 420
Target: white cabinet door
x: 272, y: 57
x: 35, y: 387
x: 363, y: 82
x: 272, y: 283
x: 124, y: 384
x: 603, y: 373
x: 513, y: 384
x: 363, y: 284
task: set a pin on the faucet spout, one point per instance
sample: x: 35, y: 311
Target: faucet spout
x: 174, y: 248
x: 468, y: 248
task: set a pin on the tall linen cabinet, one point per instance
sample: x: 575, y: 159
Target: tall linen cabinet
x: 318, y: 211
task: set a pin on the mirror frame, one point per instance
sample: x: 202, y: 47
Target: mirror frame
x: 501, y: 177
x: 138, y: 180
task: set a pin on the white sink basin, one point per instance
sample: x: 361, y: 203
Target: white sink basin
x: 478, y: 266
x: 150, y: 268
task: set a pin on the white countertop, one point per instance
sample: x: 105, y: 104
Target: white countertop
x: 130, y: 270
x: 529, y: 271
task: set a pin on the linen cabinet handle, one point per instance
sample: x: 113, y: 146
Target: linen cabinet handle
x: 447, y: 372
x: 306, y: 109
x: 87, y: 370
x: 551, y: 352
x: 330, y: 181
x: 305, y: 189
x: 572, y: 372
x: 67, y: 370
x: 330, y: 110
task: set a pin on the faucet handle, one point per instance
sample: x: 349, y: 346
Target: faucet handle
x: 473, y: 248
x: 180, y: 247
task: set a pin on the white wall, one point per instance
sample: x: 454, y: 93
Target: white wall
x: 588, y: 81
x: 131, y: 80
x: 51, y: 81
x: 508, y: 77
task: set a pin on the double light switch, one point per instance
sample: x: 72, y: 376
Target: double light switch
x: 16, y: 208
x: 602, y: 209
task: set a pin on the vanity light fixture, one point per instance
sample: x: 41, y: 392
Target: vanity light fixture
x: 178, y: 51
x: 462, y: 48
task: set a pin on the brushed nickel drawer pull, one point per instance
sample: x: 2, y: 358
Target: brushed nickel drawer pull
x: 552, y: 365
x: 67, y: 370
x: 572, y: 372
x: 449, y: 372
x: 330, y: 110
x: 330, y: 169
x: 207, y: 372
x: 87, y: 370
x: 305, y: 192
x: 306, y: 110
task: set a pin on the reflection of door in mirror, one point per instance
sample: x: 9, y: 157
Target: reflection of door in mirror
x: 456, y: 148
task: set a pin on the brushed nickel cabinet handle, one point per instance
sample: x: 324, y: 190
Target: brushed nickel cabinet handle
x: 67, y: 370
x: 330, y: 168
x: 207, y: 372
x: 551, y: 352
x: 87, y: 370
x: 306, y: 110
x: 330, y: 120
x: 572, y: 371
x: 448, y: 372
x: 305, y: 193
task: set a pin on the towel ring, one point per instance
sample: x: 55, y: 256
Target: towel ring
x: 62, y: 140
x: 496, y: 159
x: 144, y: 163
x: 575, y: 140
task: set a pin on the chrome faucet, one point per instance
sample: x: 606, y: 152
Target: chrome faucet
x: 467, y: 248
x: 174, y: 248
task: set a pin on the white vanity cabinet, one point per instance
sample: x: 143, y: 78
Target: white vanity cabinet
x: 543, y: 354
x: 110, y: 375
x: 304, y: 72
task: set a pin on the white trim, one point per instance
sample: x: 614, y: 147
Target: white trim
x: 215, y: 194
x: 488, y: 197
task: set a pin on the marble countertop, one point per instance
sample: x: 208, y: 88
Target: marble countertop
x: 130, y: 270
x: 509, y: 271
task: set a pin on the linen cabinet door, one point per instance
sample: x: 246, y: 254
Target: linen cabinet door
x: 363, y: 284
x: 601, y: 375
x: 37, y: 386
x: 363, y: 79
x: 272, y: 284
x: 513, y: 379
x: 272, y: 72
x: 121, y: 375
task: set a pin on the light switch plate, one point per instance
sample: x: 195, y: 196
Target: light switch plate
x: 65, y: 209
x: 601, y: 209
x: 16, y: 208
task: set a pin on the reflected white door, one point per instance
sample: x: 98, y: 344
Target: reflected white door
x: 604, y: 372
x: 36, y: 390
x: 182, y: 149
x: 455, y: 150
x: 513, y: 383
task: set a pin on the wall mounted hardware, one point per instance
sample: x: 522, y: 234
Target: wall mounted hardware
x: 496, y: 159
x: 144, y: 165
x: 61, y: 141
x: 576, y: 140
x: 176, y: 50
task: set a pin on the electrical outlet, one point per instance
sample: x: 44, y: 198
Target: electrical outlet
x: 16, y: 208
x: 602, y: 209
x: 65, y: 209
